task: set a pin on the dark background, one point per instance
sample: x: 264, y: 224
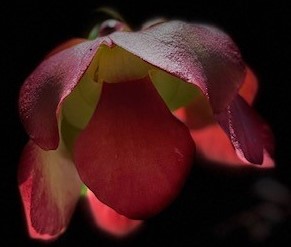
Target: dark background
x: 210, y: 197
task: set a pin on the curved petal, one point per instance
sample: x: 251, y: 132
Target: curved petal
x: 245, y: 130
x: 140, y: 152
x: 214, y: 145
x: 249, y: 88
x: 114, y: 65
x: 50, y: 187
x: 108, y: 219
x: 199, y: 54
x: 152, y: 22
x: 212, y: 142
x: 44, y: 90
x: 65, y: 45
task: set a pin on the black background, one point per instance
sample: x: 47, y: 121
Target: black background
x: 262, y: 32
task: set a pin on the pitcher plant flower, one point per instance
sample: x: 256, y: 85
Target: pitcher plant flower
x: 119, y: 118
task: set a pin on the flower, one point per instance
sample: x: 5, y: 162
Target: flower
x: 103, y: 115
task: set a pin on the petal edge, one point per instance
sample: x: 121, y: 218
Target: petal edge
x: 47, y: 199
x: 140, y: 151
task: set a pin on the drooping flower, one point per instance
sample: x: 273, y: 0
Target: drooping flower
x: 103, y: 114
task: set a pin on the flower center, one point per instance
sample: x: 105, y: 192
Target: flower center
x: 116, y: 65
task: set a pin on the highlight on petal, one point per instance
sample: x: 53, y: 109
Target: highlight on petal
x: 249, y: 87
x: 199, y: 54
x: 108, y: 219
x: 44, y: 90
x: 49, y: 187
x: 65, y: 45
x: 134, y: 155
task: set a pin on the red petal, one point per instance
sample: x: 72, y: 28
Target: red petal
x: 50, y: 187
x: 249, y: 88
x: 108, y: 219
x: 212, y: 142
x: 67, y: 44
x: 214, y: 145
x: 245, y: 130
x: 197, y: 114
x: 198, y: 54
x: 45, y: 89
x: 134, y: 154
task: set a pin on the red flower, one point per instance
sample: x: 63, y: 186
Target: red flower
x: 99, y: 113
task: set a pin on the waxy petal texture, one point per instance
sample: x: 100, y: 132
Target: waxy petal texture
x: 45, y: 89
x: 109, y: 220
x: 198, y: 54
x: 50, y: 188
x: 134, y: 154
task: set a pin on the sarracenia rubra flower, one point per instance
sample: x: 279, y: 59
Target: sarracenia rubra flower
x: 122, y: 116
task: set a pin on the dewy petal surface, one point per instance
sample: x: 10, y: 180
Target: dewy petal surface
x: 134, y: 154
x: 108, y: 219
x: 44, y: 90
x: 198, y: 54
x: 50, y: 187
